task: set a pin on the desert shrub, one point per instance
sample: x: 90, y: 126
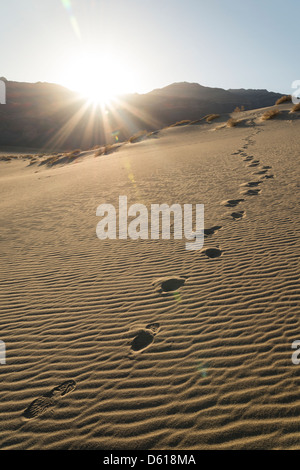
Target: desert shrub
x: 74, y: 153
x: 211, y: 117
x: 52, y: 160
x: 204, y: 118
x: 232, y: 122
x: 270, y: 114
x: 105, y: 150
x: 284, y: 99
x: 181, y: 123
x: 295, y: 108
x: 99, y: 152
x: 137, y: 137
x: 108, y: 148
x: 196, y: 122
x: 239, y: 109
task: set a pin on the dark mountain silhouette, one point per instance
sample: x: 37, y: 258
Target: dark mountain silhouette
x: 43, y: 115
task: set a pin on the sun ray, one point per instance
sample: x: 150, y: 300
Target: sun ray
x: 58, y: 140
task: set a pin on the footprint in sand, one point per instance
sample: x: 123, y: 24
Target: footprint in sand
x: 170, y: 284
x: 251, y: 184
x: 260, y: 172
x: 254, y: 163
x: 251, y: 192
x: 271, y: 176
x: 145, y: 337
x: 248, y: 159
x: 42, y: 404
x: 238, y: 215
x: 154, y: 327
x: 38, y: 407
x: 212, y: 230
x: 212, y: 252
x: 232, y: 202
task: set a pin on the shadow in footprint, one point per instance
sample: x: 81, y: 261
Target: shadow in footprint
x: 42, y: 404
x: 172, y: 284
x: 145, y: 337
x: 169, y: 285
x: 212, y: 252
x: 267, y: 177
x: 251, y: 192
x: 212, y: 230
x: 142, y: 340
x: 238, y: 215
x: 232, y: 202
x: 251, y: 184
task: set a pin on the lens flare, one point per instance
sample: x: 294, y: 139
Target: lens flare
x: 115, y: 135
x: 68, y: 7
x: 203, y: 369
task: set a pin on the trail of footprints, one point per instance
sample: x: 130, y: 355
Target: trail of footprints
x: 251, y: 188
x: 167, y: 286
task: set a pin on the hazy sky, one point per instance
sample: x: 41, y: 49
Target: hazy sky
x: 152, y: 43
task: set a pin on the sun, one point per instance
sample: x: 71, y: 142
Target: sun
x: 98, y: 77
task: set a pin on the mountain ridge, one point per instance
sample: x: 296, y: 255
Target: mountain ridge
x: 47, y: 115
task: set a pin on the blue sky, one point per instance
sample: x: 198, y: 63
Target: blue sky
x: 150, y: 44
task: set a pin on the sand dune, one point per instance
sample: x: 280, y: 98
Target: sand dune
x: 124, y: 344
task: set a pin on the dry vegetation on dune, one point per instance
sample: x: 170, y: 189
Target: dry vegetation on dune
x: 270, y: 114
x: 105, y: 150
x: 52, y: 160
x: 138, y: 137
x: 211, y: 117
x: 142, y: 135
x: 239, y: 109
x: 74, y: 153
x: 180, y: 123
x: 208, y: 118
x: 232, y: 122
x: 295, y: 108
x: 284, y: 99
